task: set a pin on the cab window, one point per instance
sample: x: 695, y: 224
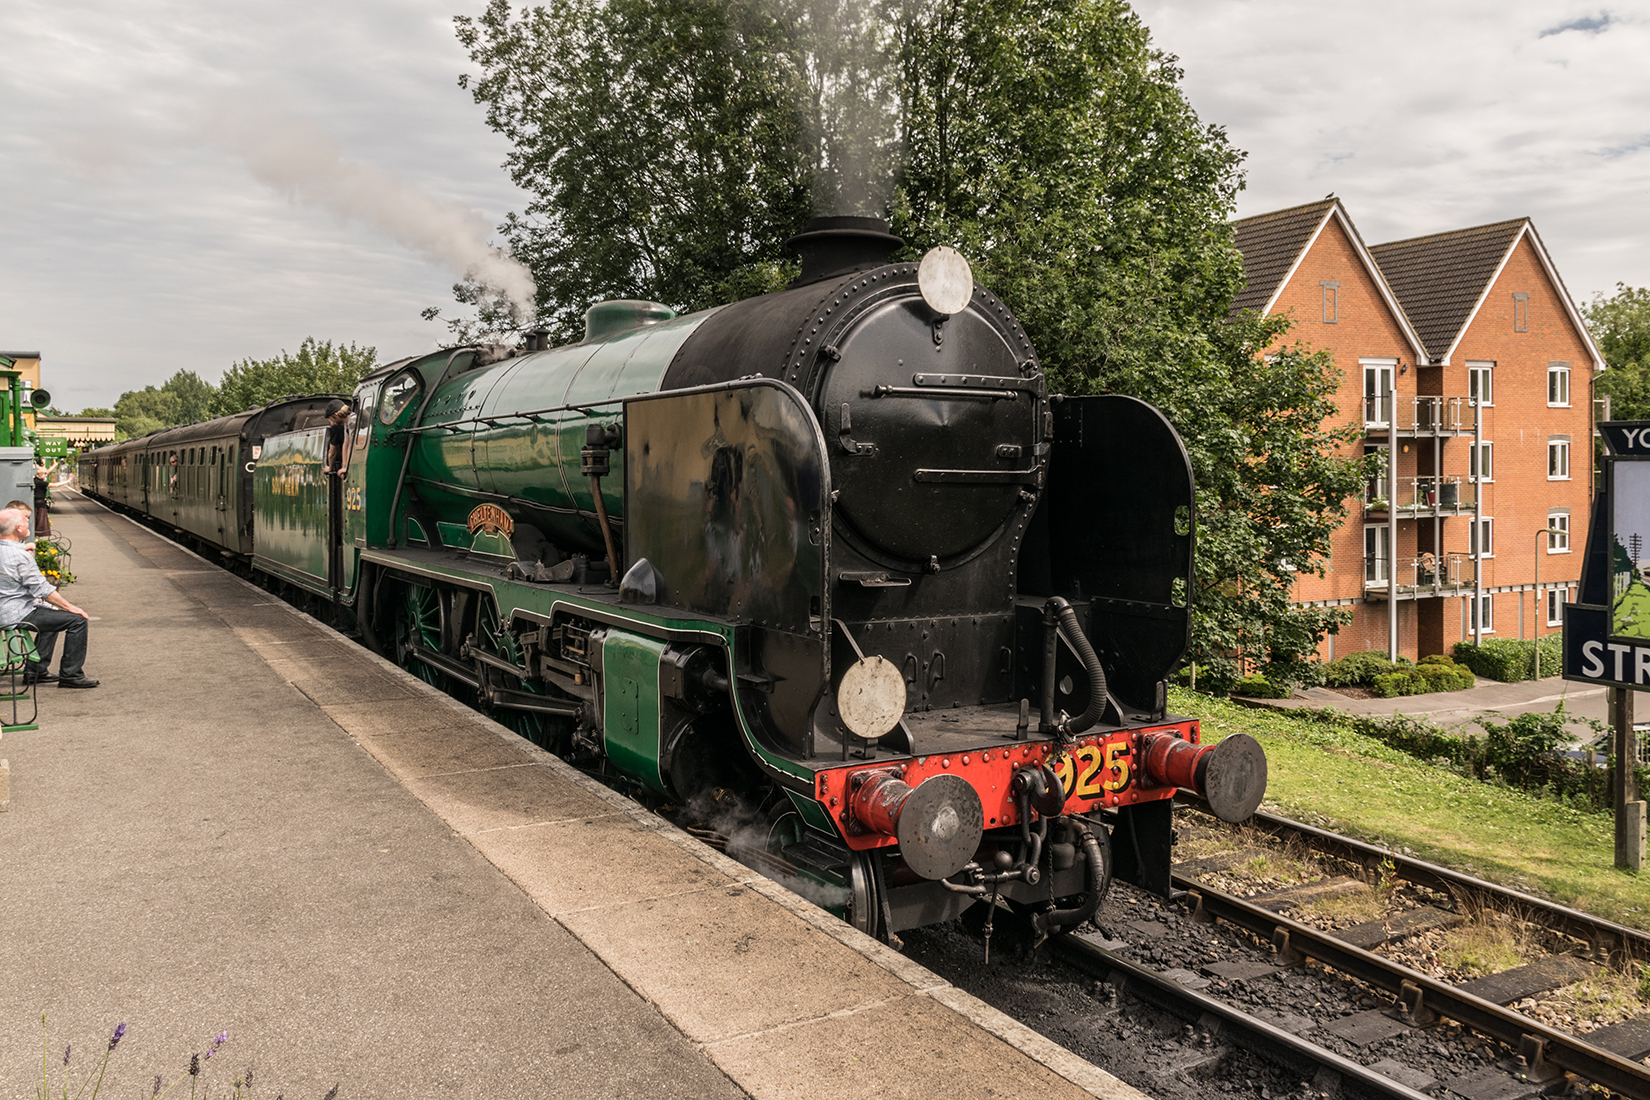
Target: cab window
x: 398, y: 394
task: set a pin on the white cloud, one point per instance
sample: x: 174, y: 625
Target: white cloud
x: 1426, y: 117
x: 133, y: 248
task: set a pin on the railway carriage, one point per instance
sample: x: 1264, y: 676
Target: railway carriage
x: 197, y: 479
x: 829, y: 570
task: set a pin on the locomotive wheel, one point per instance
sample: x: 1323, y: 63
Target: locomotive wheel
x: 419, y: 620
x: 494, y: 638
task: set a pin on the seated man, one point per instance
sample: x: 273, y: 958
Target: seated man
x: 26, y: 597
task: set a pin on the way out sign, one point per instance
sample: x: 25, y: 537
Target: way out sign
x: 1607, y: 631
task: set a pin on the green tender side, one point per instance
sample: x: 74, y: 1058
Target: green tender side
x: 630, y: 700
x: 289, y: 495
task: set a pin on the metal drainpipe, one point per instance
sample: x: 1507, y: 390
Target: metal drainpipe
x: 1477, y: 539
x: 1392, y: 518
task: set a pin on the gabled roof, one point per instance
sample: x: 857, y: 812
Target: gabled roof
x: 1443, y: 279
x: 1273, y: 245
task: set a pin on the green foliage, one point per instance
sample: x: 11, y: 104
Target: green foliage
x: 1525, y: 752
x: 1511, y: 660
x: 1620, y: 325
x: 318, y: 367
x: 671, y: 147
x: 661, y: 142
x: 1357, y: 669
x: 1422, y: 679
x: 182, y: 399
x: 1259, y: 687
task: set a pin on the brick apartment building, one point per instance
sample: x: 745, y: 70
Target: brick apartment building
x: 1467, y: 366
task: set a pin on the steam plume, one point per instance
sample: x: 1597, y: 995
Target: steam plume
x: 307, y: 166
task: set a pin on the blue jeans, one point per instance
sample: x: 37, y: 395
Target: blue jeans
x: 49, y: 622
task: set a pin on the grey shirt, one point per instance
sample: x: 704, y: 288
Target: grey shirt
x: 22, y: 588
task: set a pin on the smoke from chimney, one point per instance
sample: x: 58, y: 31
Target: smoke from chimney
x: 308, y: 167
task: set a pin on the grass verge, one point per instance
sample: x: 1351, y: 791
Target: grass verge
x: 1355, y: 785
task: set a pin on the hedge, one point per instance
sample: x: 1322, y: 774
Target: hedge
x: 1422, y: 679
x: 1258, y: 687
x: 1511, y: 660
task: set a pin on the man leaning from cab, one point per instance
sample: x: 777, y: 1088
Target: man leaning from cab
x: 26, y: 597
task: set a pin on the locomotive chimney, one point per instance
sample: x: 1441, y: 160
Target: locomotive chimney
x: 839, y: 245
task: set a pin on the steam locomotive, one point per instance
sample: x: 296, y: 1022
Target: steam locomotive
x: 832, y: 559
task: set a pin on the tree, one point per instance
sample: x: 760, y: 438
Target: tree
x: 316, y: 368
x: 670, y: 144
x: 182, y: 399
x: 658, y: 141
x: 1620, y: 326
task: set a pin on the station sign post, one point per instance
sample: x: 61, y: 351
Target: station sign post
x: 1607, y: 631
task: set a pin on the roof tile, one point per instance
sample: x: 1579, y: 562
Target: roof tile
x: 1270, y: 244
x: 1440, y: 278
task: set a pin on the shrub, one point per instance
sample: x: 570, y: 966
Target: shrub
x: 1526, y: 752
x: 1511, y: 660
x: 1258, y: 687
x: 1357, y: 669
x: 1390, y: 685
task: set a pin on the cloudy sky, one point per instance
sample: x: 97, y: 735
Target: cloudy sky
x: 183, y: 182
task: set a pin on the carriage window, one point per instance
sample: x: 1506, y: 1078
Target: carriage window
x: 398, y: 394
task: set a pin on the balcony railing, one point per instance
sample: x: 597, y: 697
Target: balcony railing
x: 1420, y: 414
x: 1423, y: 495
x: 1427, y: 574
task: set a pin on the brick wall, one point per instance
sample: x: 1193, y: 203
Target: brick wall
x: 1519, y: 423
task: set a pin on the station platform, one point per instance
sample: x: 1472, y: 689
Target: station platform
x: 257, y: 826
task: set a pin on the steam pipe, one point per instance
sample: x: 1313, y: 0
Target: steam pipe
x: 1058, y: 614
x: 607, y: 532
x: 1098, y: 880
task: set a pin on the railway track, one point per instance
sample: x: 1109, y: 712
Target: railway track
x: 1236, y: 977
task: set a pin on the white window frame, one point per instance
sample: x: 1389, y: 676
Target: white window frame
x: 1481, y: 383
x: 1481, y: 457
x: 1558, y: 446
x: 1382, y: 370
x: 1558, y: 544
x: 1559, y: 373
x: 1485, y: 604
x: 1556, y: 599
x: 1382, y: 554
x: 1486, y: 526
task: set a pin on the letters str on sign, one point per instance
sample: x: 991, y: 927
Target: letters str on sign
x: 1607, y: 631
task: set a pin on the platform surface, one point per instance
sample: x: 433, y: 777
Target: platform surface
x: 255, y: 825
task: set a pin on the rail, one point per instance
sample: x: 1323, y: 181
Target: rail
x: 1423, y: 997
x: 1154, y: 988
x: 1606, y: 938
x: 1428, y: 494
x: 1441, y: 415
x: 1427, y: 574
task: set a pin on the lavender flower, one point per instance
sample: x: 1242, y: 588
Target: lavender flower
x: 156, y: 1091
x: 331, y: 1093
x: 221, y: 1038
x: 248, y: 1076
x: 194, y: 1065
x: 66, y: 1053
x: 114, y: 1040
